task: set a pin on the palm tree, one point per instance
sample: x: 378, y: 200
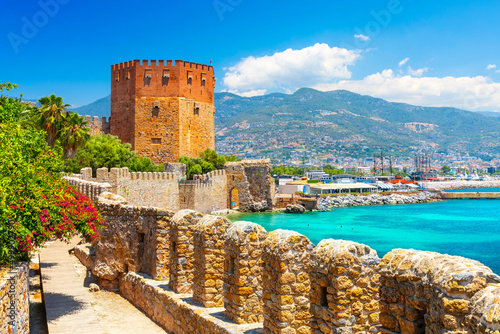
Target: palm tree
x: 73, y: 134
x: 50, y: 116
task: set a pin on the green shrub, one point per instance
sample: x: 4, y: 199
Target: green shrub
x: 108, y: 151
x: 35, y: 204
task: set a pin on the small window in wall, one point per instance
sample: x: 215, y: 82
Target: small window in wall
x: 128, y: 75
x: 323, y: 300
x: 197, y: 111
x: 147, y: 74
x: 203, y: 79
x: 190, y: 77
x: 156, y: 140
x: 117, y: 76
x: 232, y: 265
x: 174, y: 247
x: 165, y: 78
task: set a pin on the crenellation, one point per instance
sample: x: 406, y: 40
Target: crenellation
x: 286, y: 282
x: 344, y: 289
x: 181, y: 248
x: 207, y: 193
x: 209, y: 253
x: 243, y: 272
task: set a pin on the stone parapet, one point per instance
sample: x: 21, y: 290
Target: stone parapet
x: 345, y: 286
x: 133, y: 240
x: 287, y: 284
x: 182, y: 228
x: 209, y: 254
x: 14, y: 299
x: 243, y: 272
x: 174, y: 312
x: 90, y: 189
x: 485, y: 311
x: 427, y: 290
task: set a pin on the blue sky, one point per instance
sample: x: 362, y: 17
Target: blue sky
x: 451, y: 48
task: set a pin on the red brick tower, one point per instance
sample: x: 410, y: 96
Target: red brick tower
x: 164, y: 110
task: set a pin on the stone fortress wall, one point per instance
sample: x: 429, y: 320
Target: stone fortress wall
x: 170, y: 190
x: 195, y: 273
x: 97, y: 126
x: 14, y: 299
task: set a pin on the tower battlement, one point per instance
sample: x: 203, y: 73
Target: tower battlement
x: 162, y: 63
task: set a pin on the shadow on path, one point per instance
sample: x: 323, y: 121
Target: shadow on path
x: 63, y: 305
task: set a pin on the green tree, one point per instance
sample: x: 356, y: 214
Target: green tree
x: 108, y: 151
x: 207, y: 161
x: 194, y: 170
x: 332, y: 170
x: 12, y: 109
x: 289, y: 171
x: 50, y: 116
x: 446, y: 169
x: 74, y: 134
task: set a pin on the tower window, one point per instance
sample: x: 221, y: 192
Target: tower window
x: 156, y: 140
x: 128, y: 75
x: 197, y: 111
x: 147, y: 74
x: 117, y: 77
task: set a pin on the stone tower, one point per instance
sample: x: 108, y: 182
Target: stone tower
x: 164, y: 110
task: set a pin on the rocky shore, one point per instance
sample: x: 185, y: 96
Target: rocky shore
x: 328, y: 203
x: 438, y: 186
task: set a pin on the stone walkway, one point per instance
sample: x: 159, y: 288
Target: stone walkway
x: 67, y: 304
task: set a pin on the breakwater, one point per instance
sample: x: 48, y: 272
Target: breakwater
x: 438, y: 186
x: 469, y: 195
x: 328, y: 203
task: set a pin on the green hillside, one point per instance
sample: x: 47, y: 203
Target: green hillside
x: 101, y: 108
x: 341, y: 121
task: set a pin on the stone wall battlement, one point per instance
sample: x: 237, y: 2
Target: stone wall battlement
x: 89, y: 188
x: 161, y: 63
x: 244, y: 186
x: 283, y: 282
x: 152, y: 176
x: 96, y: 125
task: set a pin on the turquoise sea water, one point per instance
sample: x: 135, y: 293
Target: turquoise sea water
x: 469, y: 228
x: 480, y: 190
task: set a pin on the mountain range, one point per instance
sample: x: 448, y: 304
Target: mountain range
x: 341, y: 122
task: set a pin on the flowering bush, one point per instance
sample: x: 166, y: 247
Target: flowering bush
x: 35, y: 204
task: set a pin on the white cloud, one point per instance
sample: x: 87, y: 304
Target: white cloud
x: 471, y: 93
x: 362, y: 37
x: 404, y: 61
x: 417, y: 73
x: 290, y: 69
x: 252, y: 93
x: 491, y: 67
